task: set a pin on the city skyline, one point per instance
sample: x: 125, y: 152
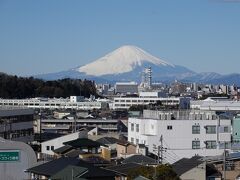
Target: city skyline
x: 49, y: 36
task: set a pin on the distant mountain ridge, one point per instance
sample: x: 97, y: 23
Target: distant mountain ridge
x: 127, y: 63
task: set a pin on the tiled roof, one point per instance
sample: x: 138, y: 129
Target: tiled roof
x: 83, y: 142
x: 140, y: 159
x: 185, y: 164
x: 108, y: 140
x: 53, y: 167
x: 124, y: 168
x: 63, y: 149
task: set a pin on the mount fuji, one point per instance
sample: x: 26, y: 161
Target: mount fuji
x: 124, y: 64
x: 127, y: 63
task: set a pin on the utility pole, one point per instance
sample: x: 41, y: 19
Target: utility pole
x: 40, y: 125
x: 161, y: 150
x: 159, y: 158
x: 72, y: 174
x: 224, y: 162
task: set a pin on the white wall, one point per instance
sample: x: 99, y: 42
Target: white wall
x: 58, y: 142
x: 179, y: 139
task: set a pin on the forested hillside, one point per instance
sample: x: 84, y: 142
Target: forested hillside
x: 22, y: 87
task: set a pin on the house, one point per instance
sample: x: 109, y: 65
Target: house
x: 196, y: 168
x: 85, y: 149
x: 49, y: 146
x: 122, y: 170
x: 232, y: 162
x: 70, y: 167
x: 111, y: 142
x: 125, y: 149
x: 140, y: 159
x: 193, y: 168
x: 71, y: 172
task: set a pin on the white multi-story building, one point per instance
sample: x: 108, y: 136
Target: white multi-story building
x: 54, y: 103
x: 183, y: 133
x: 68, y: 125
x: 146, y: 98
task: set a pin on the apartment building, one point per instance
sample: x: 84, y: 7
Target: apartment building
x: 16, y: 123
x: 179, y: 134
x: 66, y: 126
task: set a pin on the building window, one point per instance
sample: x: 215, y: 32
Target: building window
x: 47, y: 148
x: 137, y: 127
x: 132, y: 140
x: 211, y: 129
x: 137, y: 141
x: 195, y: 129
x: 169, y: 127
x: 52, y: 148
x: 224, y: 145
x: 195, y: 144
x: 132, y: 127
x: 225, y: 129
x: 211, y: 145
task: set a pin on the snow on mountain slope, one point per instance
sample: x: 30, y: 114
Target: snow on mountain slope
x: 127, y: 63
x: 122, y: 60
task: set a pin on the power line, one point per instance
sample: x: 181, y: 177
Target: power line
x: 168, y: 148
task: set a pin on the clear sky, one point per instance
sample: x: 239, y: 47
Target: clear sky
x: 53, y: 35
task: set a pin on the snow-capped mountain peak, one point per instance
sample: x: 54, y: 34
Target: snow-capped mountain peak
x: 121, y: 60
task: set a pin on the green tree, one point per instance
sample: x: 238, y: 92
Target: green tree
x: 19, y: 87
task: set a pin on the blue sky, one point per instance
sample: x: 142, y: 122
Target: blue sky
x: 53, y: 35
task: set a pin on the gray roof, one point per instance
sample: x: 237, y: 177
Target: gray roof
x: 74, y: 153
x: 108, y: 140
x: 70, y: 173
x: 53, y: 167
x: 83, y: 142
x: 124, y: 168
x: 11, y: 111
x: 140, y: 159
x: 63, y: 149
x: 185, y: 164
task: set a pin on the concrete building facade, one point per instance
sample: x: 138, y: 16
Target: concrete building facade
x: 181, y: 133
x: 147, y: 98
x: 16, y: 123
